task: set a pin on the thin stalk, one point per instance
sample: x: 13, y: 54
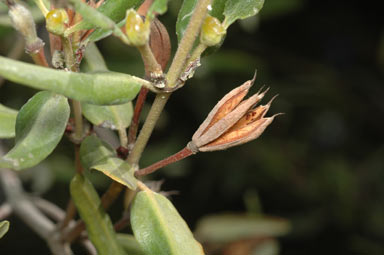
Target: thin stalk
x: 153, y: 115
x: 187, y: 41
x: 132, y: 132
x: 186, y: 152
x: 150, y: 63
x: 69, y: 214
x: 197, y: 53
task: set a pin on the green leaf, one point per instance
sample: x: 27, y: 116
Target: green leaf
x: 129, y: 244
x: 7, y: 122
x: 93, y: 60
x: 99, y: 225
x: 186, y: 12
x: 116, y: 9
x: 217, y: 9
x: 230, y: 227
x: 159, y: 228
x: 240, y: 9
x: 157, y: 7
x: 102, y: 88
x: 96, y: 154
x: 4, y: 226
x: 94, y: 151
x: 40, y: 125
x: 118, y: 170
x: 184, y: 16
x: 113, y: 9
x: 93, y: 16
x: 114, y: 116
x: 99, y: 33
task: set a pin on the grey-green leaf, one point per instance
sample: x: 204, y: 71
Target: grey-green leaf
x: 4, y: 226
x: 114, y: 116
x: 118, y: 170
x: 7, y: 122
x: 241, y: 9
x: 94, y: 151
x: 99, y: 225
x: 217, y: 9
x: 184, y: 16
x: 40, y: 125
x: 230, y: 227
x: 93, y: 60
x: 129, y: 244
x: 96, y: 154
x: 157, y: 7
x: 93, y: 16
x: 113, y: 9
x: 159, y: 228
x: 103, y: 88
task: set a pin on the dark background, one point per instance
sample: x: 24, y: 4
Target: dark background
x: 321, y: 165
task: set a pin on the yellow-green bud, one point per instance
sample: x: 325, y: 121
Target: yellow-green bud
x: 212, y: 31
x: 57, y: 21
x: 136, y: 29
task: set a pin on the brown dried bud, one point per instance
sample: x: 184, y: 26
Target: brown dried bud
x: 160, y: 43
x: 233, y: 121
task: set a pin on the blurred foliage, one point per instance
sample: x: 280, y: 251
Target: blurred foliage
x: 321, y: 165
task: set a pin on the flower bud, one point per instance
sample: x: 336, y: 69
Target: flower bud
x: 136, y: 29
x: 23, y: 22
x: 57, y: 21
x: 212, y: 31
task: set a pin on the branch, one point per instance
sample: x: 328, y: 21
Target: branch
x: 27, y: 212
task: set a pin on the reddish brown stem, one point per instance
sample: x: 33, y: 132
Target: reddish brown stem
x: 136, y: 117
x: 186, y: 152
x: 39, y: 58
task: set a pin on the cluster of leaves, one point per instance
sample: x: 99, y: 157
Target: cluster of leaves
x: 105, y: 98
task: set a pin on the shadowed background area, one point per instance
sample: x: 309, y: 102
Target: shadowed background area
x: 320, y: 165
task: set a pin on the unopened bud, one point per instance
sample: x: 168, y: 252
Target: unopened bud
x: 136, y: 29
x: 23, y: 22
x: 57, y: 21
x: 212, y: 31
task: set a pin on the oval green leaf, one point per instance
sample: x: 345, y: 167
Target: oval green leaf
x: 94, y: 151
x: 230, y: 227
x: 129, y: 244
x: 159, y: 228
x: 99, y: 225
x: 114, y: 116
x: 40, y: 125
x: 96, y: 154
x: 7, y: 122
x: 241, y: 9
x: 4, y: 226
x: 103, y: 88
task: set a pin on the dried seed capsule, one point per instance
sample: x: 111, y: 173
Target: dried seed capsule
x: 136, y: 29
x: 212, y: 31
x: 57, y: 21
